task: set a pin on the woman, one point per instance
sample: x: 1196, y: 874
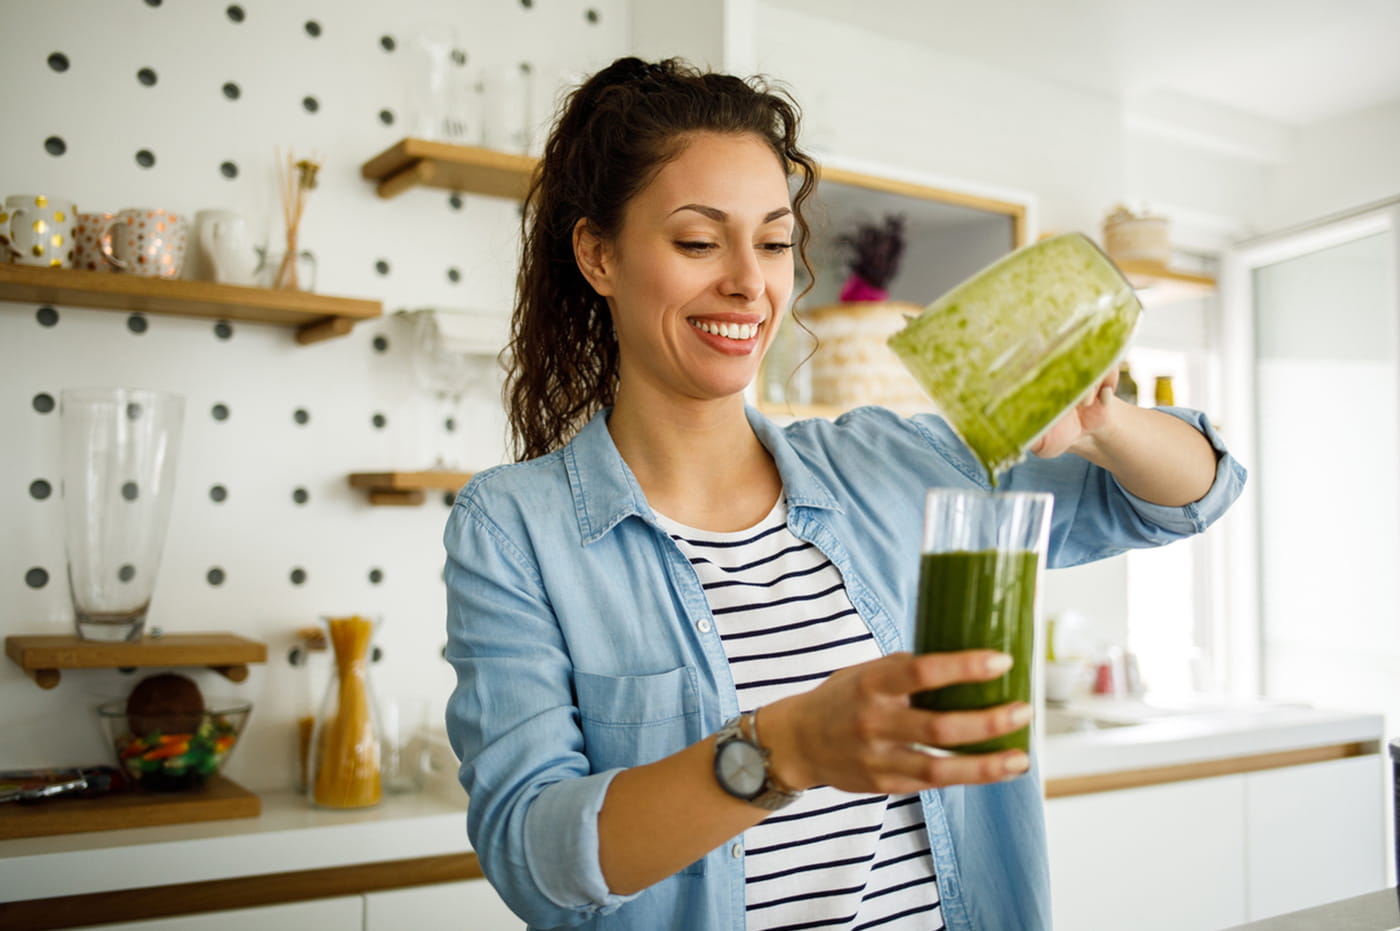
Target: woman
x: 678, y: 629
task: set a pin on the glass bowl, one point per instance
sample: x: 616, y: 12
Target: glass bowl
x: 173, y: 752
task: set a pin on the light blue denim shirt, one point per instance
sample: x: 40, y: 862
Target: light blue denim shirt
x: 583, y: 645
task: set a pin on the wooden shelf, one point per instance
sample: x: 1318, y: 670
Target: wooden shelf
x: 1158, y: 284
x: 412, y: 163
x: 316, y: 317
x: 218, y: 799
x: 406, y: 489
x: 43, y: 656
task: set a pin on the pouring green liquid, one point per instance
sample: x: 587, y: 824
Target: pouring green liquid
x: 970, y: 600
x: 1007, y: 352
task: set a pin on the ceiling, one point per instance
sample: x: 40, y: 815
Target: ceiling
x: 1293, y: 62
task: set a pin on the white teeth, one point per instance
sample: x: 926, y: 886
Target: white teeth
x: 737, y: 331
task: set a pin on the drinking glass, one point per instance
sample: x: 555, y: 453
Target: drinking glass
x: 120, y: 447
x: 983, y: 556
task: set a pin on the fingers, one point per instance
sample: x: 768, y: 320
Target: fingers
x: 957, y: 728
x: 904, y: 673
x: 910, y: 769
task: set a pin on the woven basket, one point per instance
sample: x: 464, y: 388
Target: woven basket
x: 852, y: 364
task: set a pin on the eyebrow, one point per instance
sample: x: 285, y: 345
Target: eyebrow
x: 719, y: 216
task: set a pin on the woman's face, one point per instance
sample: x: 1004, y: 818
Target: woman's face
x: 701, y: 271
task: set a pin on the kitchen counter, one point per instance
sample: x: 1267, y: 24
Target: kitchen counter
x: 287, y: 836
x: 1122, y: 739
x: 1375, y: 911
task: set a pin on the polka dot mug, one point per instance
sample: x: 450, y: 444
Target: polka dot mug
x: 37, y: 230
x: 146, y: 241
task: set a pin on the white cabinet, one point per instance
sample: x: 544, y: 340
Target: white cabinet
x: 1212, y: 853
x: 1167, y: 857
x: 471, y: 905
x: 345, y: 913
x: 1315, y: 834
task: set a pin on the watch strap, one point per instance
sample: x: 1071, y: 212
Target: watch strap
x: 773, y: 795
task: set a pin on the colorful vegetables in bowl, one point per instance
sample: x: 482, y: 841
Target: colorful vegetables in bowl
x: 173, y: 752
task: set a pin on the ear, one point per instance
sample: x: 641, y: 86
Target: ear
x: 594, y: 258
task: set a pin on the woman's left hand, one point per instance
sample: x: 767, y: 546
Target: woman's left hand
x: 1087, y: 417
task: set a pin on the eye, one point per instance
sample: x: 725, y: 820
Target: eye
x: 776, y: 248
x: 695, y: 247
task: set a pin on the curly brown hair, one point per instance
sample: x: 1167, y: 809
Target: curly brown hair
x: 612, y: 135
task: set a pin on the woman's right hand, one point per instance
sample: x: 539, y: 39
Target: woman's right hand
x: 858, y: 732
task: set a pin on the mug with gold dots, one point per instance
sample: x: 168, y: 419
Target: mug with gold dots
x: 37, y: 230
x: 145, y: 241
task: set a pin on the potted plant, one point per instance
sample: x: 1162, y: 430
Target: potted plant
x: 875, y: 250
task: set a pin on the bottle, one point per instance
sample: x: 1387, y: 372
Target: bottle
x: 1127, y: 388
x: 1163, y: 394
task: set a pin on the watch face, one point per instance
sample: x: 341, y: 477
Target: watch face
x: 740, y: 768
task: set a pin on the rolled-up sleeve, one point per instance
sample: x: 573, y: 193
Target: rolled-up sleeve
x: 533, y: 803
x: 1096, y: 517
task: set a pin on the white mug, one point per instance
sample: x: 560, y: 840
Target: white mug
x: 38, y: 230
x: 88, y: 236
x: 223, y: 250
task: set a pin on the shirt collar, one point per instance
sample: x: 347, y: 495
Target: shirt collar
x: 605, y: 491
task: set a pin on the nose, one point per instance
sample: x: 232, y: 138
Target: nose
x: 743, y: 278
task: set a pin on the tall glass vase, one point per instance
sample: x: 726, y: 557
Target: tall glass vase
x: 345, y: 744
x: 120, y: 446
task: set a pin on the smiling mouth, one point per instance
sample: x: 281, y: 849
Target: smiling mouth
x: 735, y: 331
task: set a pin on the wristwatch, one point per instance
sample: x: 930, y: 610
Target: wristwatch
x: 741, y: 766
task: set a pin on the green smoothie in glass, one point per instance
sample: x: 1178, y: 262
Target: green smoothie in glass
x: 982, y: 559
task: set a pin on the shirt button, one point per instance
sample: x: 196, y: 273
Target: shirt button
x: 736, y: 851
x: 703, y: 625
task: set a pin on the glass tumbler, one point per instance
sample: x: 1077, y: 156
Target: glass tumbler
x: 120, y: 447
x: 983, y: 556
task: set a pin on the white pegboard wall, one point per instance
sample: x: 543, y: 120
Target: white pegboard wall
x: 200, y: 86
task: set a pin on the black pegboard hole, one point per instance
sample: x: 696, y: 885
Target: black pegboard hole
x: 215, y: 576
x: 46, y: 316
x: 228, y: 169
x: 153, y: 3
x: 592, y: 16
x: 147, y: 77
x: 298, y: 576
x: 455, y: 201
x: 219, y: 411
x: 133, y: 410
x: 528, y: 4
x: 313, y: 29
x: 300, y: 495
x: 146, y: 158
x: 223, y: 330
x: 54, y: 145
x: 448, y: 499
x: 43, y: 402
x: 310, y: 104
x: 58, y: 62
x: 235, y: 13
x: 382, y: 267
x: 131, y: 491
x: 387, y: 43
x: 376, y: 576
x: 136, y: 323
x: 386, y: 116
x: 459, y: 57
x: 126, y: 573
x: 36, y: 577
x: 381, y: 344
x: 454, y: 275
x: 302, y: 416
x: 450, y: 424
x: 40, y: 489
x: 218, y: 494
x: 379, y: 421
x: 232, y: 91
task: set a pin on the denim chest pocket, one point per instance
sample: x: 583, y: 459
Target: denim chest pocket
x: 631, y: 720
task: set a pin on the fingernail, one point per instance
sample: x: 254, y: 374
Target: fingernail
x: 1017, y: 763
x: 998, y: 664
x: 1020, y: 715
